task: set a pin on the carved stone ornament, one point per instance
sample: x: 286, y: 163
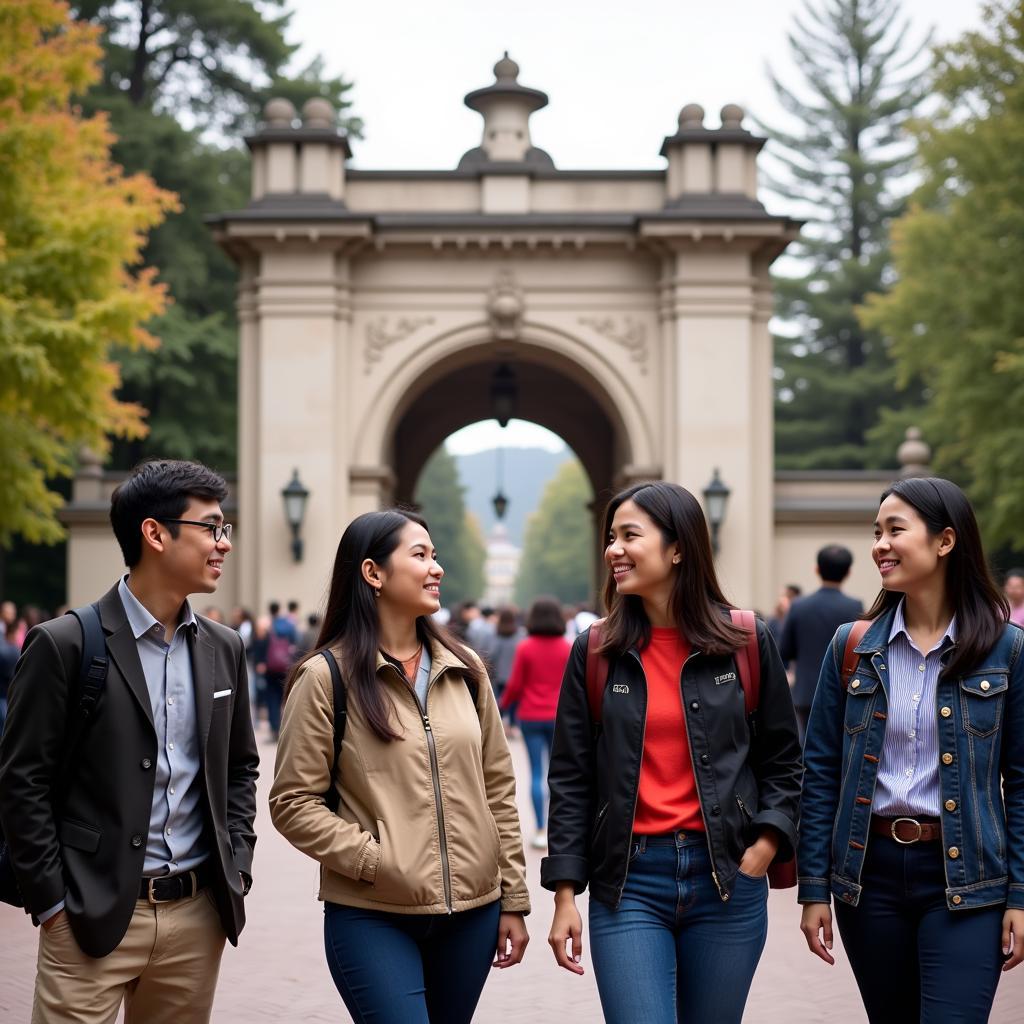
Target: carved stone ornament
x: 631, y: 335
x: 380, y: 336
x: 505, y: 307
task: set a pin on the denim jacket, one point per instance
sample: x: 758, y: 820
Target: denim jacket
x: 980, y: 718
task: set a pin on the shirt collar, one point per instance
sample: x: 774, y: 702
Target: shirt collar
x: 142, y: 620
x: 899, y: 625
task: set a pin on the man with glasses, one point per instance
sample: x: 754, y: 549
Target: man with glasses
x: 137, y: 860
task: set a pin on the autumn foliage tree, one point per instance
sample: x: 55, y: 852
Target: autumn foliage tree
x: 72, y: 227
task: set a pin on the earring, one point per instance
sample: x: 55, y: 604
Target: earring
x: 377, y: 590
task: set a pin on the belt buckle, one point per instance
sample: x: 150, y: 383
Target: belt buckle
x: 151, y: 895
x: 905, y: 842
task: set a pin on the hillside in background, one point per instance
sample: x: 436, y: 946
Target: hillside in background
x: 526, y: 474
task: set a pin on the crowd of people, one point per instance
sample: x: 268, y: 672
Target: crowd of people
x: 694, y: 755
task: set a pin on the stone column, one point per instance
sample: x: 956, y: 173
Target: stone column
x: 722, y: 415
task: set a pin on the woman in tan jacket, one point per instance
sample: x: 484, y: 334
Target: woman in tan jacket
x: 422, y: 871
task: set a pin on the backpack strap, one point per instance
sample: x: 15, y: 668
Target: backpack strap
x: 748, y: 659
x: 340, y: 701
x: 850, y: 656
x: 92, y: 673
x: 596, y: 670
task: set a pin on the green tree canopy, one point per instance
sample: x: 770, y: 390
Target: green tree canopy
x: 558, y: 553
x: 956, y: 313
x: 71, y: 226
x: 456, y: 534
x: 178, y: 77
x: 843, y: 165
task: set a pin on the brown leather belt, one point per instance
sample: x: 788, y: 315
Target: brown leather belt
x: 907, y: 830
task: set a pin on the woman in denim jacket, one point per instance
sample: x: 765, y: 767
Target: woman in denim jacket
x: 912, y: 812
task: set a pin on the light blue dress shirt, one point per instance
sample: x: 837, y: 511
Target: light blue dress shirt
x: 908, y: 772
x: 175, y: 841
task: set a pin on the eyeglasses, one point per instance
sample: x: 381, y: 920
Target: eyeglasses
x: 220, y: 531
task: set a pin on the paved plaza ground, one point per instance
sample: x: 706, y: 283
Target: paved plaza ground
x: 278, y: 973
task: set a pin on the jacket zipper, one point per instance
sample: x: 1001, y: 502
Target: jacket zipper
x: 723, y: 896
x: 446, y: 876
x: 636, y: 791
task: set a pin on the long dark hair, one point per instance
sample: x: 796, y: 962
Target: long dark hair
x: 697, y: 602
x: 351, y: 619
x: 980, y: 607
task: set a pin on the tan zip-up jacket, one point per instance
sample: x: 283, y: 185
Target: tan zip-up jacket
x: 427, y: 824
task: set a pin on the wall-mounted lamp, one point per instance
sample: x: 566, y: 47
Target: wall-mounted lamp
x: 716, y: 494
x: 295, y: 496
x: 504, y: 394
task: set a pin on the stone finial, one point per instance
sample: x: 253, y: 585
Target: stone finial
x: 915, y: 455
x: 506, y: 70
x: 732, y: 116
x: 691, y: 116
x: 317, y: 113
x: 279, y: 113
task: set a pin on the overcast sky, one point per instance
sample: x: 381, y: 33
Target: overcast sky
x: 616, y: 74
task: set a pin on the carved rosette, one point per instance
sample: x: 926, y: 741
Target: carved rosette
x: 380, y: 336
x: 630, y: 333
x: 505, y: 307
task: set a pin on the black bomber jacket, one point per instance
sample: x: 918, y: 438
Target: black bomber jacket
x: 748, y: 772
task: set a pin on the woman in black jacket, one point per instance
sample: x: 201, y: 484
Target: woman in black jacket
x: 665, y: 799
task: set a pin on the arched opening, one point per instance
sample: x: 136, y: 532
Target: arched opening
x: 550, y: 390
x: 511, y: 513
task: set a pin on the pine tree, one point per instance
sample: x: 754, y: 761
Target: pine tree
x: 844, y: 166
x: 956, y: 312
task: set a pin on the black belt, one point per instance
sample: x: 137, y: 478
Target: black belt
x: 165, y: 888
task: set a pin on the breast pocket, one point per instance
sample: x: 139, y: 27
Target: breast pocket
x: 981, y: 702
x: 860, y: 701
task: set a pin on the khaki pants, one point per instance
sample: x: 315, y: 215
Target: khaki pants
x: 165, y: 968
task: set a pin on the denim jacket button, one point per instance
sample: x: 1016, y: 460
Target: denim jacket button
x: 950, y: 805
x: 947, y: 758
x: 985, y: 685
x: 945, y: 712
x: 954, y: 852
x: 855, y: 684
x: 957, y: 900
x: 716, y: 810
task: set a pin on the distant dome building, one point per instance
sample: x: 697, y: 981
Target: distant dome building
x: 501, y: 567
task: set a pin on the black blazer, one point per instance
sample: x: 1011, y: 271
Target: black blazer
x: 92, y: 857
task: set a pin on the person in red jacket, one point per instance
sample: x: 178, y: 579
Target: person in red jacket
x: 535, y: 682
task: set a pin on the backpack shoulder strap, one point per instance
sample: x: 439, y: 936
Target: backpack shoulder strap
x: 474, y: 690
x: 596, y: 670
x: 92, y: 674
x: 340, y: 703
x: 850, y: 655
x: 748, y: 659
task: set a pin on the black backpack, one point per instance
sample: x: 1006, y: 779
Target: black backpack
x: 92, y: 675
x: 331, y: 797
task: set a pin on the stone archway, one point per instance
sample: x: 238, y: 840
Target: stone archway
x: 375, y: 305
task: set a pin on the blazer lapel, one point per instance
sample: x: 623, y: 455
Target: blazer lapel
x: 202, y: 652
x: 123, y: 648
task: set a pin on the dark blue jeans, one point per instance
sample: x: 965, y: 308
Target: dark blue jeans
x: 913, y: 958
x: 410, y: 968
x: 673, y: 951
x: 538, y: 736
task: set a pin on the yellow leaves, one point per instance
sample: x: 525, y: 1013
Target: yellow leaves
x: 72, y: 225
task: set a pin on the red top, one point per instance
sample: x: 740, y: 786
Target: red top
x: 667, y: 797
x: 536, y: 677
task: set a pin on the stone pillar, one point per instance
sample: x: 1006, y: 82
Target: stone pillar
x: 722, y: 411
x: 291, y: 368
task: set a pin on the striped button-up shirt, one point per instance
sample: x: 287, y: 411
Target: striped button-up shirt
x: 175, y: 842
x: 908, y: 773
